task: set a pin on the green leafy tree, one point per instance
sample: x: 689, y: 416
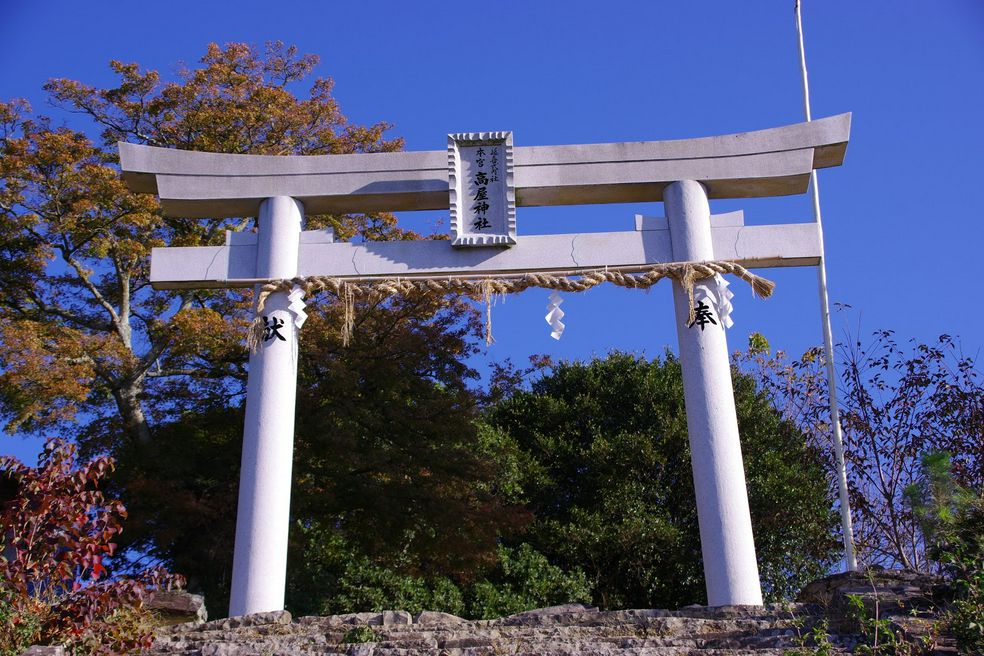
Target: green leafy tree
x: 524, y: 579
x: 951, y: 519
x: 605, y: 462
x: 962, y: 557
x: 338, y: 577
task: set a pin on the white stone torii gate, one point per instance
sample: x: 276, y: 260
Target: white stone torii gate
x: 682, y: 174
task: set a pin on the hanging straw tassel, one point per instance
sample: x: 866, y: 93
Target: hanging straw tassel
x: 348, y: 312
x: 487, y: 297
x: 761, y: 287
x: 254, y: 334
x: 686, y: 275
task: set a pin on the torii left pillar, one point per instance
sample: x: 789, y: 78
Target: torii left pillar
x: 259, y: 567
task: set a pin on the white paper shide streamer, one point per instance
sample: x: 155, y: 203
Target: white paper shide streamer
x: 716, y: 294
x: 297, y: 306
x: 555, y: 314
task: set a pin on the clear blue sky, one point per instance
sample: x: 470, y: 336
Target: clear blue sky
x: 902, y: 216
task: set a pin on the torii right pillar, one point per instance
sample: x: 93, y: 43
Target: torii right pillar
x: 727, y: 545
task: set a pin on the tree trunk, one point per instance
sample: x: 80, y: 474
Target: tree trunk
x: 131, y: 410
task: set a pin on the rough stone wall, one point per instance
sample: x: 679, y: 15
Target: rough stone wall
x: 547, y: 632
x: 904, y: 599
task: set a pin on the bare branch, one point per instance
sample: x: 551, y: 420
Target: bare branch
x: 159, y: 345
x: 94, y: 291
x: 170, y: 373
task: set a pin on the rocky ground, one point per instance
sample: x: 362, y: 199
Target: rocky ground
x: 902, y: 599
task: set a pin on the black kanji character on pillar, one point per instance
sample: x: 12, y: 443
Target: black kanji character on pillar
x: 481, y: 223
x: 271, y: 329
x: 702, y: 316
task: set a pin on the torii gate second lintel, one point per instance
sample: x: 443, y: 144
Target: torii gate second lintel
x: 683, y: 174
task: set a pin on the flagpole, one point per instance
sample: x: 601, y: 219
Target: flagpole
x: 850, y: 560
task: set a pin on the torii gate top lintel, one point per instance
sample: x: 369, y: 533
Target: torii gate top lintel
x: 772, y: 162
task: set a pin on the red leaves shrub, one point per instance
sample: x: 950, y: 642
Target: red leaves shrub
x: 58, y: 531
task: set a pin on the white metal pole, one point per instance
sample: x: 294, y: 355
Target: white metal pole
x: 850, y: 560
x: 260, y: 562
x: 726, y: 541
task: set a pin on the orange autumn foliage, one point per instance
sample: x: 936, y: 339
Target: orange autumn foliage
x: 83, y: 332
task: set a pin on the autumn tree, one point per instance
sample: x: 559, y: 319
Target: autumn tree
x: 83, y: 333
x: 59, y: 531
x: 157, y: 378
